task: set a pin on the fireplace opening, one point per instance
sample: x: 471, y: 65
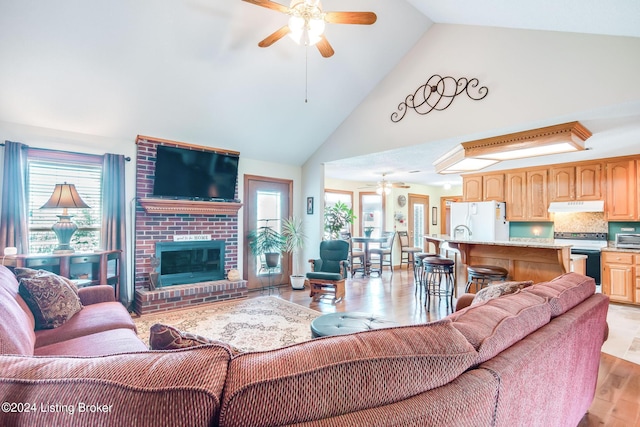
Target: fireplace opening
x: 190, y: 262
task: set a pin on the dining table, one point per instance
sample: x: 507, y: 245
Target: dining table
x: 365, y: 241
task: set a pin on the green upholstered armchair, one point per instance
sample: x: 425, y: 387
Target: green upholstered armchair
x: 328, y: 273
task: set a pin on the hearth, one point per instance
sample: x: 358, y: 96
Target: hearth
x: 190, y: 262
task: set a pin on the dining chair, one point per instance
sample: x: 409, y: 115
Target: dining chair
x: 384, y: 254
x: 356, y: 254
x: 407, y: 252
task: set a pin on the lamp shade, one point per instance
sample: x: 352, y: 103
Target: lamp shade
x: 65, y: 196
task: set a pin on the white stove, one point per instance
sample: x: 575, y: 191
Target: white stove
x: 581, y: 241
x: 589, y: 244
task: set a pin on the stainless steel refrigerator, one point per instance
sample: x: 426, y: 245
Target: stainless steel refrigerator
x: 480, y: 221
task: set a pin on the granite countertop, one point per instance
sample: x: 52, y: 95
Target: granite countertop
x: 438, y: 237
x: 521, y: 244
x: 612, y: 248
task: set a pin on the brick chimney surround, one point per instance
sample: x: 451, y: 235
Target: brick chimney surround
x: 157, y: 220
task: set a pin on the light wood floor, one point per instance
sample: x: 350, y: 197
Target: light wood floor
x: 617, y: 400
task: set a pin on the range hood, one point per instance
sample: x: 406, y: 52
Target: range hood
x: 582, y: 206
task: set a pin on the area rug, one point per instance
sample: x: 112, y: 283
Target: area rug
x: 253, y: 324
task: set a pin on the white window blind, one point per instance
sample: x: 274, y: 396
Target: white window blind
x: 43, y: 175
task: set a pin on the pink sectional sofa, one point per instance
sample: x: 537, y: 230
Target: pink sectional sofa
x: 529, y: 358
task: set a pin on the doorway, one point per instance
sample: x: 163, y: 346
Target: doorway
x: 267, y: 201
x: 418, y: 219
x: 445, y: 212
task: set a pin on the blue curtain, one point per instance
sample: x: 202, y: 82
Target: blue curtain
x: 13, y: 216
x: 113, y: 233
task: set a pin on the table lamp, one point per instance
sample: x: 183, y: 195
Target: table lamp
x: 64, y: 196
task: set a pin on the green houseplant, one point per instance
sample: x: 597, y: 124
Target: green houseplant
x: 336, y: 218
x: 294, y: 240
x: 268, y: 242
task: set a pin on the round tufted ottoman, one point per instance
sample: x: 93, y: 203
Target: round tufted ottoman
x: 347, y: 323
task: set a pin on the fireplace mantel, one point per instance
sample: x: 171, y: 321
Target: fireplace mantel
x: 197, y: 207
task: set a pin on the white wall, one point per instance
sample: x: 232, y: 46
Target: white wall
x: 534, y: 77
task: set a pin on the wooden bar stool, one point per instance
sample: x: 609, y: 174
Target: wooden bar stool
x: 439, y: 278
x: 481, y: 275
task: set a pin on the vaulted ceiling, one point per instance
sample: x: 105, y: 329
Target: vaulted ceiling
x: 191, y: 70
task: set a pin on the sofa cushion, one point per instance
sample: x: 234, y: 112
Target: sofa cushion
x: 50, y: 298
x: 16, y: 320
x: 565, y: 292
x: 91, y: 319
x: 331, y: 376
x: 498, y: 289
x: 496, y: 324
x: 99, y: 344
x: 165, y: 337
x: 141, y: 388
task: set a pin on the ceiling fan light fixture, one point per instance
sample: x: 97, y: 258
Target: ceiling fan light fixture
x: 306, y: 22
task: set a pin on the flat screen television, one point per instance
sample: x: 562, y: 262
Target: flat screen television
x: 193, y: 174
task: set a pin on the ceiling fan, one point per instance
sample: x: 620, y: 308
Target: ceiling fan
x: 307, y: 22
x: 384, y: 186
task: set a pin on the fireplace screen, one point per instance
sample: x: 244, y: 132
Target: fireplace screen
x: 190, y: 262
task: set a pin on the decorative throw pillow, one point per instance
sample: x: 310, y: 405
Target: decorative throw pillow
x: 498, y: 289
x: 51, y: 299
x: 22, y: 272
x: 165, y: 337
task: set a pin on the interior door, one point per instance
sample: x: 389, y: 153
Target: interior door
x: 418, y: 219
x: 267, y: 201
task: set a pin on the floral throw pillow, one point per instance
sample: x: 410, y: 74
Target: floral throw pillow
x: 165, y: 337
x: 498, y: 289
x: 51, y: 299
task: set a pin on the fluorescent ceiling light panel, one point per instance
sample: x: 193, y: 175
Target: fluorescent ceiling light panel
x: 476, y: 155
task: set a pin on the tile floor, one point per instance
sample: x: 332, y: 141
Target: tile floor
x: 624, y: 332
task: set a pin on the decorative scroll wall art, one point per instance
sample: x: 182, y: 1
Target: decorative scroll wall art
x: 437, y: 94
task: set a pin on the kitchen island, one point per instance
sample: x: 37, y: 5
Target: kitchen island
x: 523, y: 260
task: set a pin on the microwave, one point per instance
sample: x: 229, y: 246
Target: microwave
x: 628, y: 241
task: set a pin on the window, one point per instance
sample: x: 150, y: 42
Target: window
x: 331, y: 197
x: 269, y: 215
x: 46, y: 168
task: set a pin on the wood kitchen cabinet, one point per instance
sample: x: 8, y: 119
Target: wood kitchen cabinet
x: 589, y: 184
x: 472, y: 188
x: 481, y: 188
x: 622, y: 197
x: 493, y: 187
x: 621, y: 276
x: 562, y: 184
x: 526, y: 196
x: 516, y: 196
x: 537, y: 195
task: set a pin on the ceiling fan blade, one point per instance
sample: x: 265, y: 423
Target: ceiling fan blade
x: 324, y: 47
x: 362, y: 18
x: 275, y: 36
x: 269, y: 5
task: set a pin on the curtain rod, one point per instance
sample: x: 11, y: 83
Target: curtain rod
x: 128, y: 159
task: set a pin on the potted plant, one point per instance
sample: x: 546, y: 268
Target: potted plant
x: 294, y: 239
x: 336, y: 218
x: 368, y: 230
x: 268, y: 242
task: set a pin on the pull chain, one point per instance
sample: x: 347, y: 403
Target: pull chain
x: 306, y: 74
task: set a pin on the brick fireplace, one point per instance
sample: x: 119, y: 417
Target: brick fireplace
x: 153, y: 226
